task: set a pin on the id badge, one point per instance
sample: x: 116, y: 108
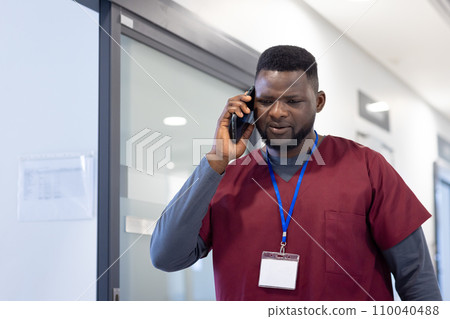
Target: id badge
x: 278, y: 270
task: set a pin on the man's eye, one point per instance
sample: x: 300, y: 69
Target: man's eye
x: 294, y: 101
x: 266, y: 102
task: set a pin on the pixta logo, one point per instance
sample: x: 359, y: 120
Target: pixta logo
x: 141, y: 151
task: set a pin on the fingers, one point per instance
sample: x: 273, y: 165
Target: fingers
x: 238, y: 105
x: 235, y: 105
x: 224, y: 149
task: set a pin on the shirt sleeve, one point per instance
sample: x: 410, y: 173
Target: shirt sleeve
x: 410, y: 263
x: 395, y: 211
x: 175, y: 242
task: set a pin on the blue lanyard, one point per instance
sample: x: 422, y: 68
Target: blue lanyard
x: 285, y: 223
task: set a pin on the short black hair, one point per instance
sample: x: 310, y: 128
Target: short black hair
x: 289, y: 58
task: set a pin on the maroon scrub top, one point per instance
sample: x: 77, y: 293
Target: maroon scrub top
x: 347, y: 211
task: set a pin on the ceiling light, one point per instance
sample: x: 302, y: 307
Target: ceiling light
x: 170, y: 165
x: 377, y: 107
x: 175, y: 121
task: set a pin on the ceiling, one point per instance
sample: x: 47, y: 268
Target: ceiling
x: 411, y: 38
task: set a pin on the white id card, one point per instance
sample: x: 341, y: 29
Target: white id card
x: 278, y: 270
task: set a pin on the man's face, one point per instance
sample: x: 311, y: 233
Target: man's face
x: 292, y: 115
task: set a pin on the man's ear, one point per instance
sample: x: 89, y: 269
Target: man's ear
x: 320, y: 101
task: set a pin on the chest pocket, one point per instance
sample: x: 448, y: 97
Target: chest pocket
x: 348, y: 242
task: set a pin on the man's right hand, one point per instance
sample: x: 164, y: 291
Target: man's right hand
x: 224, y: 150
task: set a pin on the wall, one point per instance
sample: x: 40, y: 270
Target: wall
x: 343, y: 70
x: 49, y: 104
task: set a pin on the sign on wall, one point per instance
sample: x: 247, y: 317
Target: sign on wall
x: 56, y: 187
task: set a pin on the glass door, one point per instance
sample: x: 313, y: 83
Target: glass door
x: 442, y: 199
x: 156, y: 158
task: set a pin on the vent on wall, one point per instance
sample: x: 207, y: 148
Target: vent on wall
x: 443, y: 7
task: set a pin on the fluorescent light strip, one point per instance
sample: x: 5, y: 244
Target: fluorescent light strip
x: 175, y: 121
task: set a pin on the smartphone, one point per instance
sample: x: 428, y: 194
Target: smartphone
x: 239, y: 124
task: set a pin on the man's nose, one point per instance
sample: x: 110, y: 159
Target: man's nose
x: 278, y: 109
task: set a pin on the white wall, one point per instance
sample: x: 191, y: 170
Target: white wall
x: 49, y: 104
x: 343, y: 70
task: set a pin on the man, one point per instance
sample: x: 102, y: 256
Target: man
x: 354, y: 219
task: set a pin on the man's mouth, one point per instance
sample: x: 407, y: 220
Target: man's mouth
x: 278, y: 128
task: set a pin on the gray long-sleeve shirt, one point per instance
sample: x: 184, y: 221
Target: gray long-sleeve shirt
x: 176, y: 243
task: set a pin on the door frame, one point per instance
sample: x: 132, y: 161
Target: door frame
x: 175, y: 31
x: 441, y: 176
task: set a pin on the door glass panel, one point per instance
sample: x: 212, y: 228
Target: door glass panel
x: 145, y: 189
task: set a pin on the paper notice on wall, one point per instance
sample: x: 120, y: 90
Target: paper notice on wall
x: 56, y: 187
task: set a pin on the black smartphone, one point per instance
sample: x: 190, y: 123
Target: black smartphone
x: 239, y: 124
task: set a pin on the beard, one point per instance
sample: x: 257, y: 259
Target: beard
x: 298, y: 137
